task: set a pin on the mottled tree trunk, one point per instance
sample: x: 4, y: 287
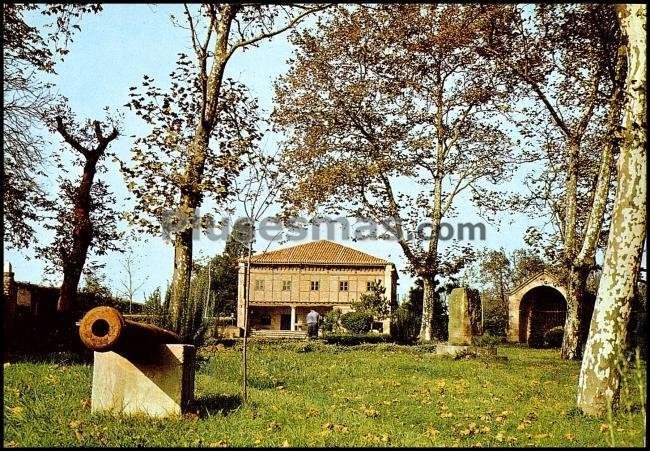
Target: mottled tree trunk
x: 599, y: 382
x: 581, y: 264
x: 576, y: 282
x: 429, y: 294
x: 577, y: 325
x: 429, y: 297
x: 189, y: 202
x: 574, y: 326
x: 180, y: 286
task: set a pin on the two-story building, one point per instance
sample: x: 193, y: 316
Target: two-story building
x: 285, y: 284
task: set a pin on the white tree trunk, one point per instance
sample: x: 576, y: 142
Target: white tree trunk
x: 599, y: 382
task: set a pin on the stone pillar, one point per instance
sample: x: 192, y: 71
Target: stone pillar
x: 464, y: 316
x: 160, y: 386
x: 293, y: 318
x: 513, y: 320
x: 9, y: 293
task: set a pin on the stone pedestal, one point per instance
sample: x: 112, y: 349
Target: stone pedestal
x: 233, y: 332
x: 159, y: 385
x: 455, y: 351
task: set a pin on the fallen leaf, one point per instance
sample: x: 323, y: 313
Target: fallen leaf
x: 16, y: 411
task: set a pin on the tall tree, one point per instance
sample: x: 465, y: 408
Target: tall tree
x: 496, y: 275
x: 257, y: 191
x: 214, y: 284
x: 201, y: 107
x: 526, y: 263
x: 28, y: 54
x: 130, y: 284
x: 495, y: 271
x: 564, y: 57
x: 600, y: 377
x: 89, y: 220
x: 389, y: 113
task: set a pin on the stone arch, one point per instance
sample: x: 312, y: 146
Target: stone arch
x: 536, y: 305
x: 541, y: 309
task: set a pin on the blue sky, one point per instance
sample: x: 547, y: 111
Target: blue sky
x: 111, y: 53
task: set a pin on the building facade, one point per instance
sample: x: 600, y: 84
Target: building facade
x: 535, y: 306
x: 286, y: 284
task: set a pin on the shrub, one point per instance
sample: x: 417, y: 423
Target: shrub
x: 331, y: 320
x: 553, y: 337
x: 405, y: 325
x: 487, y: 340
x: 357, y: 322
x: 495, y: 323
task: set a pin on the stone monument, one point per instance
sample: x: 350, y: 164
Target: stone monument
x: 464, y: 324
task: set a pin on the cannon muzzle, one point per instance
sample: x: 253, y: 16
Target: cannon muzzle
x: 105, y: 329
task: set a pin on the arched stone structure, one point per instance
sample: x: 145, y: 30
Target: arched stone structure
x: 543, y: 292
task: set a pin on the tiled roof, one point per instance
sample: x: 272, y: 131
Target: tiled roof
x: 322, y: 252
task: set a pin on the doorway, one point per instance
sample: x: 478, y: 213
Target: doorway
x: 285, y: 322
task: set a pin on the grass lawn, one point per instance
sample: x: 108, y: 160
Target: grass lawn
x: 320, y: 395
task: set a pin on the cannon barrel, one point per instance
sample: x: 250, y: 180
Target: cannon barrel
x: 105, y: 329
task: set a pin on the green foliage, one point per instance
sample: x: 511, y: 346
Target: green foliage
x: 331, y: 320
x: 526, y: 263
x: 357, y: 322
x: 553, y: 337
x: 405, y: 324
x: 495, y: 313
x: 213, y: 287
x: 96, y: 293
x: 374, y: 301
x: 488, y: 340
x: 95, y: 284
x: 440, y: 310
x: 154, y: 307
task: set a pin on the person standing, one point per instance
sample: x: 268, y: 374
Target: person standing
x: 312, y: 323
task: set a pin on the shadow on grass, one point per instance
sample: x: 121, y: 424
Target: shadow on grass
x: 210, y: 405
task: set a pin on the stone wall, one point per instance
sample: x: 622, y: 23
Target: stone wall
x: 9, y: 299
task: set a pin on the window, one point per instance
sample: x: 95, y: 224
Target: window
x: 314, y: 285
x: 370, y: 282
x: 286, y: 285
x: 343, y: 285
x: 259, y: 284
